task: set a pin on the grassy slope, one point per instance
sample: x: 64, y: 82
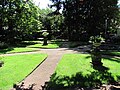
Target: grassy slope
x: 17, y: 68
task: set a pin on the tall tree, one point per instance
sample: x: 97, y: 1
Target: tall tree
x: 18, y: 18
x: 51, y: 22
x: 88, y: 16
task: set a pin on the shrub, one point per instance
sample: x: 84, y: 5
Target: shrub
x: 96, y: 39
x: 115, y: 39
x: 45, y: 34
x: 3, y: 45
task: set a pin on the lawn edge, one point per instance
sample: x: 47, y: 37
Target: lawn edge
x: 33, y: 69
x: 20, y: 52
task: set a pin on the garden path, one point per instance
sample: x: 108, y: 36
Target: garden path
x: 43, y: 73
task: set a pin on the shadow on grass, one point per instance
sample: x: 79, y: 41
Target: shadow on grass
x: 100, y: 68
x: 111, y: 53
x: 4, y: 51
x: 93, y: 80
x: 112, y: 58
x: 59, y: 43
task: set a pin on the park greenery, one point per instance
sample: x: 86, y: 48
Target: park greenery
x: 30, y: 46
x: 85, y: 18
x: 79, y: 19
x: 24, y: 27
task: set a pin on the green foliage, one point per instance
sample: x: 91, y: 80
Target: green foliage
x: 3, y: 45
x: 18, y: 19
x: 88, y: 17
x: 15, y: 70
x: 45, y: 34
x: 96, y: 39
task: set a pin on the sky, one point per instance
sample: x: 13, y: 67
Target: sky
x: 44, y: 3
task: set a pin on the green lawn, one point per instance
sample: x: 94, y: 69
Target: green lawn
x: 50, y: 45
x: 28, y: 46
x: 39, y: 44
x: 17, y: 67
x: 76, y: 70
x: 17, y: 50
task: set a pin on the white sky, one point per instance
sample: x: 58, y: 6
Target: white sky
x: 118, y: 2
x: 44, y: 3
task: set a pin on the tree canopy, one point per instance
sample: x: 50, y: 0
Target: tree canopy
x: 79, y: 19
x: 88, y: 17
x: 18, y: 18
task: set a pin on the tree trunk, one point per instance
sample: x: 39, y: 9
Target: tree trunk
x: 45, y: 41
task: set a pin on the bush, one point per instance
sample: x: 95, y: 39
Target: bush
x: 115, y: 39
x: 3, y: 45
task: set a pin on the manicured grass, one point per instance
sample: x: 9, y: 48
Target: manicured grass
x: 73, y: 63
x: 76, y: 70
x: 39, y: 44
x: 17, y: 67
x: 29, y: 46
x: 50, y: 45
x: 16, y: 50
x: 22, y: 50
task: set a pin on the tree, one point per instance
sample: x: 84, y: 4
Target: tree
x: 88, y: 16
x: 18, y: 19
x: 51, y: 22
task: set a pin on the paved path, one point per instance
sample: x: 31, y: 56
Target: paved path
x: 46, y: 69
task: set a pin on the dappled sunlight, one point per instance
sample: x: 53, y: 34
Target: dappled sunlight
x: 76, y: 71
x: 93, y: 80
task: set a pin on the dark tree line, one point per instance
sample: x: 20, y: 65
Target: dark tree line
x: 84, y: 18
x: 79, y: 19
